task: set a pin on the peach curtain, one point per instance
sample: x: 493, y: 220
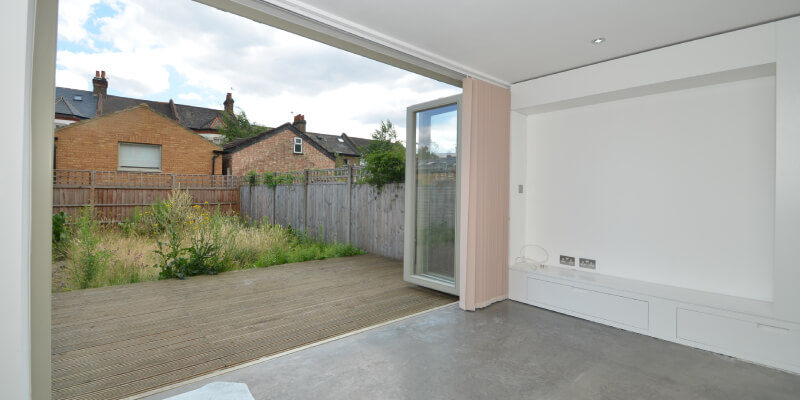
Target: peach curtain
x: 485, y: 136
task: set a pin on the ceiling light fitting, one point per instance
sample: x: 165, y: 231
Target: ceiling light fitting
x: 599, y: 40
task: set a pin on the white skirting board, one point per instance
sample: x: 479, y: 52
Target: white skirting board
x: 736, y: 327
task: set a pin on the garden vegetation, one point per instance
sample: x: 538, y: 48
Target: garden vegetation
x: 173, y: 239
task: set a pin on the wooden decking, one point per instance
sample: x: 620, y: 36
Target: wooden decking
x: 115, y: 342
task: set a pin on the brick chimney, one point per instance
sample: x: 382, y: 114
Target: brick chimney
x: 300, y: 122
x: 228, y: 103
x: 100, y: 83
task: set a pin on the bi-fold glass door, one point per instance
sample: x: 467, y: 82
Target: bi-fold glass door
x: 432, y: 185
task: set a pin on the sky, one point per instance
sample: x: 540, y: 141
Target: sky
x: 194, y: 54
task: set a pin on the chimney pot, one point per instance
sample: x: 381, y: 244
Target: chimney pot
x: 228, y: 103
x: 300, y: 122
x: 100, y: 83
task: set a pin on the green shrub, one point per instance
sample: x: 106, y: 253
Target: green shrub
x: 384, y: 158
x: 61, y: 235
x: 271, y: 180
x: 60, y: 227
x: 133, y: 222
x: 274, y: 256
x: 252, y: 178
x: 172, y: 257
x: 88, y: 263
x: 341, y: 250
x: 161, y: 216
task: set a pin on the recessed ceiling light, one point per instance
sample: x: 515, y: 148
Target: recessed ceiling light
x: 599, y: 40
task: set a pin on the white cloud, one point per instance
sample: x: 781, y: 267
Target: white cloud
x: 72, y: 16
x: 190, y: 96
x: 272, y: 73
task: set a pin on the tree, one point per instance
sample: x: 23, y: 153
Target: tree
x: 384, y: 158
x: 238, y: 126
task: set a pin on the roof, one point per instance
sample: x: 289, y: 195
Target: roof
x: 334, y: 144
x: 197, y: 117
x: 74, y: 102
x: 112, y: 104
x: 189, y: 116
x: 330, y: 145
x: 359, y: 142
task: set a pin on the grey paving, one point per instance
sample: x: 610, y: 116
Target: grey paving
x: 506, y: 351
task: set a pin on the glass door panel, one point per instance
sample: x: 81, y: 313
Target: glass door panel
x: 432, y: 194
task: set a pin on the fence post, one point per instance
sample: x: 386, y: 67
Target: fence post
x: 349, y: 202
x: 174, y: 181
x: 305, y: 200
x: 92, y: 179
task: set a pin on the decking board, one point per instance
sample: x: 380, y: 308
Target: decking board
x: 114, y: 342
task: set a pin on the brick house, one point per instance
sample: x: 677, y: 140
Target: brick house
x: 273, y: 150
x: 135, y: 139
x: 74, y: 105
x: 289, y: 147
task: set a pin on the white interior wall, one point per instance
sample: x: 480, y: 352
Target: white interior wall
x: 15, y: 377
x: 678, y: 170
x: 675, y: 188
x: 518, y: 158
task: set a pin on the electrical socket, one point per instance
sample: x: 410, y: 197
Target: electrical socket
x: 587, y: 263
x: 566, y: 260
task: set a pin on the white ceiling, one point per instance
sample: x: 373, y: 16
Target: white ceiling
x: 508, y: 41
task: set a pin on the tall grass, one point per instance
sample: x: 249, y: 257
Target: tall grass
x: 176, y: 239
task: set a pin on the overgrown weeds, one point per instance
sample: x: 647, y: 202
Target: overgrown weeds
x: 177, y: 239
x: 270, y: 179
x: 88, y: 262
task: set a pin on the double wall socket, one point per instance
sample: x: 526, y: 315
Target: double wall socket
x: 587, y: 263
x: 566, y: 260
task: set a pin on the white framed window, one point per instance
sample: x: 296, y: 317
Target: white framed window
x: 139, y: 157
x: 298, y: 145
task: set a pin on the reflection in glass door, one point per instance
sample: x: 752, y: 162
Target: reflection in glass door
x: 432, y: 156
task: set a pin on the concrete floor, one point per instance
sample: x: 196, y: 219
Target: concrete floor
x: 506, y: 351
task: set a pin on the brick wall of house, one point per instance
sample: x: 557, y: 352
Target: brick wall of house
x: 94, y: 144
x: 276, y: 154
x: 352, y: 160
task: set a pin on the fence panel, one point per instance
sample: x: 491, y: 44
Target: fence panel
x: 343, y: 211
x: 328, y: 212
x: 257, y: 203
x: 116, y: 194
x: 378, y: 219
x: 290, y: 206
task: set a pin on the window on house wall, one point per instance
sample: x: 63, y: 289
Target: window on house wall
x: 141, y: 157
x: 298, y: 145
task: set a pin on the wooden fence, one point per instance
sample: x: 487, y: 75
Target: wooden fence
x: 327, y: 204
x: 115, y: 194
x: 331, y: 205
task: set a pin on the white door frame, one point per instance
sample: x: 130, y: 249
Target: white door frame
x: 409, y: 249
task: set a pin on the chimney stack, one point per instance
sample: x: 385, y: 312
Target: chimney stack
x: 300, y: 122
x: 100, y: 83
x: 229, y: 105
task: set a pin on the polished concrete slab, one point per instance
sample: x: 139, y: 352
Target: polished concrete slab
x: 506, y: 351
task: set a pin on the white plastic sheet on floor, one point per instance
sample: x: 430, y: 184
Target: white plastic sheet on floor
x: 217, y: 391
